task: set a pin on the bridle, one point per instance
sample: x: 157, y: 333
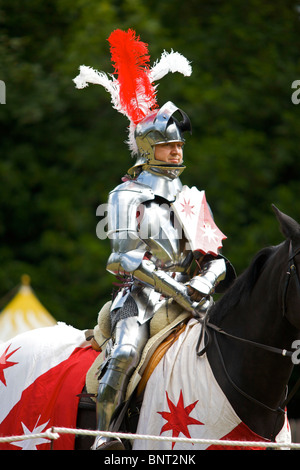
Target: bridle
x: 206, y: 334
x: 291, y: 272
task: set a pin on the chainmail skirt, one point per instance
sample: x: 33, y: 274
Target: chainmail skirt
x: 129, y: 309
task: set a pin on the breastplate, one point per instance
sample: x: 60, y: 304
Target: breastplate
x: 161, y: 231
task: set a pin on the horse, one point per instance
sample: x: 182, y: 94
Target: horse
x: 243, y: 344
x: 261, y: 314
x: 247, y: 338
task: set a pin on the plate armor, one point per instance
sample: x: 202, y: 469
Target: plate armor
x: 151, y: 255
x: 152, y: 258
x: 150, y: 252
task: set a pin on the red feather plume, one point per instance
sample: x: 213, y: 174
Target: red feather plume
x: 130, y: 59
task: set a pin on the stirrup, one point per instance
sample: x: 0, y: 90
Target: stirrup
x: 107, y: 443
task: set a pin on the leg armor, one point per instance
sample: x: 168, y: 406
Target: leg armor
x: 130, y: 338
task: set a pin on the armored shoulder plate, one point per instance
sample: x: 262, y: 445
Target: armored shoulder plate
x: 123, y: 205
x: 123, y: 202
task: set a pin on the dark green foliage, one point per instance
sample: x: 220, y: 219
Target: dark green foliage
x: 62, y: 150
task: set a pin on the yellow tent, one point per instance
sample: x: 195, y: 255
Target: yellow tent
x: 24, y: 312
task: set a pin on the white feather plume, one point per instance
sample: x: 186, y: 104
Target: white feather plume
x: 89, y: 75
x: 170, y: 62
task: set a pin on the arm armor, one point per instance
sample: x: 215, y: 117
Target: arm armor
x: 213, y: 272
x: 128, y: 249
x: 165, y: 284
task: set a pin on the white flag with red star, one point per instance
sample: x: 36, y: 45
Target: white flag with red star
x: 194, y: 215
x: 41, y: 373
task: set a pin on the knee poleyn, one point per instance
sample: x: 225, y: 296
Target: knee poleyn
x: 119, y: 368
x: 125, y: 356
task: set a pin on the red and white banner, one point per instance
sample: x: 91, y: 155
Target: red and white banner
x: 41, y: 372
x: 183, y: 399
x: 195, y: 217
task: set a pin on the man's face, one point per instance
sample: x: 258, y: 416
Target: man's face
x: 169, y: 152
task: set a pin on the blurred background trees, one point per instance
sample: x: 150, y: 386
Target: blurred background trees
x: 62, y: 149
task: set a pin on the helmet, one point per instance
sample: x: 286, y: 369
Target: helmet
x: 133, y: 94
x: 157, y: 128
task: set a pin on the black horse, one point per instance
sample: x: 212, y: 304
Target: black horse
x: 263, y: 306
x: 248, y: 335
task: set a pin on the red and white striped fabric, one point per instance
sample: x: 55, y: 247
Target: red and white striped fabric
x: 41, y: 372
x: 183, y: 399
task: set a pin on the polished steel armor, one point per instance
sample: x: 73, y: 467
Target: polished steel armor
x: 151, y: 254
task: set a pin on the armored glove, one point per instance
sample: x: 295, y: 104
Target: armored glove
x: 205, y: 283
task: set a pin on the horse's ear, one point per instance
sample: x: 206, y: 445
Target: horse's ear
x: 288, y: 226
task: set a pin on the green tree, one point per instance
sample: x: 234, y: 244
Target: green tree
x: 62, y: 150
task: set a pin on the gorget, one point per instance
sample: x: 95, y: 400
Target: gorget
x: 163, y: 182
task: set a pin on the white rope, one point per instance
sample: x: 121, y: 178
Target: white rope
x: 48, y: 434
x: 55, y: 432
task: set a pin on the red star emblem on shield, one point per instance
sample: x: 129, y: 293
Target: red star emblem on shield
x: 178, y: 418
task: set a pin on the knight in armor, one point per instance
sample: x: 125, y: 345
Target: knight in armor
x: 150, y: 253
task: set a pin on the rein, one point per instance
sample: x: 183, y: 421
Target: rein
x: 206, y: 326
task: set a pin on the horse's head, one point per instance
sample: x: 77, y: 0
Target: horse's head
x: 291, y: 289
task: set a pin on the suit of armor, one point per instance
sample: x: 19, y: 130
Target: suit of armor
x: 150, y: 253
x: 149, y: 249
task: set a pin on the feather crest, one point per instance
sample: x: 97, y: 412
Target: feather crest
x: 132, y: 91
x: 130, y: 59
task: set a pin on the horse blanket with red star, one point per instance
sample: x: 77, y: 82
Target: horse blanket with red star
x: 183, y: 399
x: 41, y: 373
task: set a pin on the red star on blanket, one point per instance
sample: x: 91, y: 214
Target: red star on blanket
x: 4, y: 363
x: 178, y: 418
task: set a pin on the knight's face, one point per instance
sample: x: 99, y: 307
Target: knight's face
x: 169, y: 152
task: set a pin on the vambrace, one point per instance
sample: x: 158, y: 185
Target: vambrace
x: 165, y: 284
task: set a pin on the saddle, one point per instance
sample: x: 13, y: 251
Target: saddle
x: 165, y: 327
x: 158, y: 354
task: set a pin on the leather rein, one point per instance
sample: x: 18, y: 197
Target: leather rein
x: 207, y: 326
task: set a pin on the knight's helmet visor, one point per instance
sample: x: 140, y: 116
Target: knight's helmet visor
x: 157, y: 128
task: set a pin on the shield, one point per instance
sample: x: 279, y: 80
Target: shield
x: 194, y: 215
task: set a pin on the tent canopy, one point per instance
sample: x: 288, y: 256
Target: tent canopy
x: 24, y: 312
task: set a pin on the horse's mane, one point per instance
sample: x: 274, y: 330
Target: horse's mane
x: 243, y: 285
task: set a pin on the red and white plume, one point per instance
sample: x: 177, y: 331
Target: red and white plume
x: 131, y: 84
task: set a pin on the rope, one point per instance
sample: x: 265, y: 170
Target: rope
x: 48, y: 434
x: 55, y: 432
